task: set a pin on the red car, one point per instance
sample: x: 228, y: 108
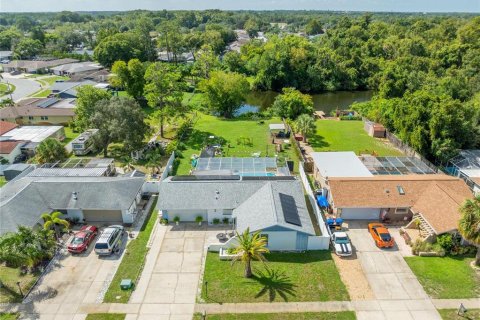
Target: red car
x: 82, y: 239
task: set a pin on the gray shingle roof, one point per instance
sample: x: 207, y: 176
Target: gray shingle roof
x: 23, y: 200
x: 256, y: 203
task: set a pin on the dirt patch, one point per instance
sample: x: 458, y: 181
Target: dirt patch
x: 352, y: 275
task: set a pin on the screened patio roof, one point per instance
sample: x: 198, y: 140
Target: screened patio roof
x: 250, y: 166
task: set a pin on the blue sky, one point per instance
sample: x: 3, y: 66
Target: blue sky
x: 341, y: 5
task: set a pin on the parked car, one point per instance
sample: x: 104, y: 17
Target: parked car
x: 82, y: 239
x: 109, y: 240
x: 341, y: 244
x: 380, y: 235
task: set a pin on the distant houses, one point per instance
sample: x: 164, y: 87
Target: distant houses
x: 40, y: 111
x: 34, y: 66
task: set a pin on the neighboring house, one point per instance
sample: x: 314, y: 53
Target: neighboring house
x: 77, y: 68
x: 101, y: 75
x: 17, y: 170
x: 34, y: 66
x: 466, y: 165
x: 10, y: 149
x: 76, y: 167
x: 273, y: 205
x: 433, y: 199
x: 83, y: 144
x: 66, y: 90
x: 6, y: 126
x: 6, y: 56
x: 89, y: 199
x: 33, y: 136
x: 40, y: 111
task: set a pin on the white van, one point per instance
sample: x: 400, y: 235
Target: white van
x: 109, y: 240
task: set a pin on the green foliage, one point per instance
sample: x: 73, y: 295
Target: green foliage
x: 27, y: 48
x: 313, y: 27
x: 292, y: 103
x: 199, y: 219
x: 225, y: 92
x: 87, y: 98
x: 469, y: 224
x: 176, y: 219
x: 423, y: 246
x: 216, y: 221
x: 53, y: 221
x: 251, y: 246
x: 306, y: 125
x: 50, y: 150
x: 129, y: 76
x: 446, y: 241
x: 119, y: 120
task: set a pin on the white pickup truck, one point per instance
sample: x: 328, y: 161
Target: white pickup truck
x: 341, y: 244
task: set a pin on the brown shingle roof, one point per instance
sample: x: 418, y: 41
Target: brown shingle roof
x: 28, y: 107
x: 6, y: 126
x: 436, y: 196
x: 38, y: 64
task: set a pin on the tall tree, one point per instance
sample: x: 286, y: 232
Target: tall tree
x: 119, y: 120
x: 469, y: 224
x: 250, y: 247
x: 27, y: 48
x: 130, y: 76
x: 292, y: 103
x: 313, y: 27
x: 55, y: 222
x: 50, y: 150
x: 225, y: 92
x: 164, y: 91
x: 87, y: 97
x: 306, y: 125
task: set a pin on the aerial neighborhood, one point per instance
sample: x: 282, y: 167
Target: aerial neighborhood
x: 227, y: 165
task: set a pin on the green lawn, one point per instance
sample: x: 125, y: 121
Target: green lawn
x: 132, y: 262
x: 6, y: 89
x: 9, y: 277
x: 451, y: 314
x: 105, y: 316
x: 446, y: 277
x: 231, y: 131
x: 345, y: 315
x: 3, y: 181
x: 46, y: 83
x: 334, y: 135
x: 69, y: 135
x: 306, y: 276
x: 9, y: 316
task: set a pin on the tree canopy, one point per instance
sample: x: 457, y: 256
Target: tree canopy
x: 292, y: 103
x: 87, y: 98
x: 50, y: 150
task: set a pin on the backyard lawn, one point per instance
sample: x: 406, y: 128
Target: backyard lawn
x: 9, y: 290
x: 334, y: 135
x: 132, y: 262
x: 231, y: 130
x: 69, y: 135
x: 307, y: 276
x: 105, y: 316
x: 451, y: 314
x: 446, y: 277
x: 345, y: 315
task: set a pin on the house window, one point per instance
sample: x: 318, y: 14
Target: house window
x: 401, y: 210
x: 227, y: 212
x: 264, y: 235
x: 44, y: 117
x: 30, y: 117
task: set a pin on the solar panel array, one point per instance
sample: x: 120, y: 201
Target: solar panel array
x: 204, y: 178
x: 290, y: 210
x: 395, y: 165
x: 47, y: 103
x: 241, y: 166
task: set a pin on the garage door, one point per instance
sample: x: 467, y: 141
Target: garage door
x: 102, y: 215
x: 360, y: 214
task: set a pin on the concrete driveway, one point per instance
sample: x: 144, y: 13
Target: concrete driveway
x: 23, y: 87
x: 390, y: 278
x: 75, y: 279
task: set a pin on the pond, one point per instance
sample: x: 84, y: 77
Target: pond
x: 327, y: 101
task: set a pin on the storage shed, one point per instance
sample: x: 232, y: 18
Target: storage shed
x: 375, y: 129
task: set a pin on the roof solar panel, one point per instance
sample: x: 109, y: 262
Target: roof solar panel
x: 289, y: 208
x: 47, y: 103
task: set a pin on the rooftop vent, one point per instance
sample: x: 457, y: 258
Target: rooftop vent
x: 74, y: 195
x: 400, y: 190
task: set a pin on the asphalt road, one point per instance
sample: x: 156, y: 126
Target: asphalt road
x: 23, y: 88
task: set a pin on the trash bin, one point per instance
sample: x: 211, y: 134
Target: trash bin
x: 126, y: 284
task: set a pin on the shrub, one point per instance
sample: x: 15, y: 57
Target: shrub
x: 176, y: 219
x: 198, y: 219
x: 172, y: 146
x: 423, y: 246
x: 164, y: 221
x: 225, y: 220
x: 446, y: 241
x: 216, y: 221
x: 350, y: 118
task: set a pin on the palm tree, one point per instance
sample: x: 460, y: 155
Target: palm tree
x: 469, y: 224
x: 53, y: 220
x: 250, y: 247
x: 306, y: 125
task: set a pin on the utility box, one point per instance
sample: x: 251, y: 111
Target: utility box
x: 126, y: 284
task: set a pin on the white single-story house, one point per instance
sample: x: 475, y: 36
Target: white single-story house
x: 90, y: 199
x: 273, y: 205
x: 466, y: 165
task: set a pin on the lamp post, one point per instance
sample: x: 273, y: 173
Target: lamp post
x: 20, y: 288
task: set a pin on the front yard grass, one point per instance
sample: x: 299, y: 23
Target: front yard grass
x: 451, y: 314
x: 133, y: 260
x: 344, y: 315
x: 346, y: 135
x: 3, y: 181
x: 105, y: 316
x: 9, y: 277
x: 9, y: 316
x: 306, y: 276
x: 446, y: 277
x: 46, y: 83
x: 231, y: 130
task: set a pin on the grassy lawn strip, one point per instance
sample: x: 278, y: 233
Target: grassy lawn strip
x: 306, y: 276
x: 451, y: 314
x: 3, y: 181
x: 69, y: 135
x: 132, y: 262
x: 344, y: 315
x: 334, y: 135
x: 9, y: 291
x: 446, y: 277
x: 46, y: 83
x: 6, y: 89
x: 105, y: 316
x: 9, y: 316
x: 231, y: 130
